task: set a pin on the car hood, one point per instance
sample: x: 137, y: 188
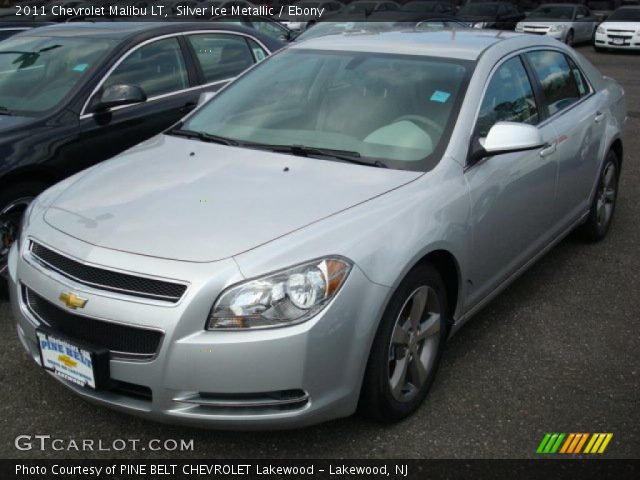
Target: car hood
x: 530, y: 22
x: 621, y: 25
x: 199, y: 202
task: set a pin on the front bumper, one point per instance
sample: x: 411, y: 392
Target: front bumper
x: 214, y: 379
x: 612, y: 41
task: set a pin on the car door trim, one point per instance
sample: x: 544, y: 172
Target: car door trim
x: 84, y: 114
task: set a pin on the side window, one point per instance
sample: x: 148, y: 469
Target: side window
x: 558, y: 82
x: 272, y: 29
x: 259, y: 53
x: 583, y: 86
x: 157, y: 68
x: 221, y: 56
x: 509, y: 98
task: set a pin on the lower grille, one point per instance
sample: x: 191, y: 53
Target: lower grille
x: 121, y: 340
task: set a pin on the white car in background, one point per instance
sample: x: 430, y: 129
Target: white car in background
x: 620, y: 31
x: 566, y: 22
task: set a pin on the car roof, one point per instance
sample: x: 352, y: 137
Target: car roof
x: 463, y: 44
x: 128, y: 30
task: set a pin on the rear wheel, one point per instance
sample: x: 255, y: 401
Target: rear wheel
x: 603, y: 207
x: 406, y: 352
x: 14, y: 200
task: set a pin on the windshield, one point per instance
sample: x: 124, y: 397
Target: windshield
x: 563, y: 13
x: 625, y: 14
x: 479, y: 9
x: 36, y: 73
x: 397, y: 109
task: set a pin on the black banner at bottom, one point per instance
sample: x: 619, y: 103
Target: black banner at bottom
x: 320, y: 469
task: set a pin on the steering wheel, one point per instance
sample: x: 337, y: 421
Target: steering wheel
x: 425, y: 123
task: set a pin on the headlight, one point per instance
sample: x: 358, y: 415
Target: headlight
x: 600, y: 30
x: 479, y: 25
x: 519, y: 27
x: 284, y: 298
x: 557, y: 28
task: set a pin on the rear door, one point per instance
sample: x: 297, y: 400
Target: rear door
x: 575, y: 113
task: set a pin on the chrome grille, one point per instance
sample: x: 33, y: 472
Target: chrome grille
x: 108, y: 280
x: 122, y: 340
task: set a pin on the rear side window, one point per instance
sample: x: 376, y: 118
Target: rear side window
x: 221, y: 56
x: 157, y: 68
x: 558, y: 81
x: 509, y: 98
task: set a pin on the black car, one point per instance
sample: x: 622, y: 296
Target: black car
x: 495, y: 15
x: 72, y: 95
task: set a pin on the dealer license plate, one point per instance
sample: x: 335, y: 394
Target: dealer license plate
x: 67, y: 359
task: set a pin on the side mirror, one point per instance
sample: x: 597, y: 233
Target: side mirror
x: 205, y: 97
x: 118, y: 95
x: 508, y: 137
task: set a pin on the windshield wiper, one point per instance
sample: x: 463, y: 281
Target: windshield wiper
x: 203, y: 137
x: 305, y: 151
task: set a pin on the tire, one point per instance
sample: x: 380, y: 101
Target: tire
x: 569, y: 39
x: 395, y: 344
x: 596, y: 227
x: 13, y: 200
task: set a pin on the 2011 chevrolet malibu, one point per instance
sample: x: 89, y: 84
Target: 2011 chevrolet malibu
x: 311, y: 236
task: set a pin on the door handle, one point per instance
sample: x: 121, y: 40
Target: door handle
x: 599, y: 117
x: 548, y: 149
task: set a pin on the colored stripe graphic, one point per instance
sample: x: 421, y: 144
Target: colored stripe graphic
x: 573, y: 443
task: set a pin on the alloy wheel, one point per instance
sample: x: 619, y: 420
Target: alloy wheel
x: 606, y: 195
x: 414, y: 343
x: 10, y: 217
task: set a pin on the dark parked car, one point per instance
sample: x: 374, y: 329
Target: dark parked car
x: 428, y: 6
x: 495, y: 15
x: 72, y: 95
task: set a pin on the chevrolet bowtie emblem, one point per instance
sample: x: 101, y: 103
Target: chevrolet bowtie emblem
x: 72, y: 301
x: 68, y: 361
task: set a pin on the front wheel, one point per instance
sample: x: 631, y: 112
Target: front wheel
x: 603, y: 206
x: 407, y: 348
x: 14, y: 200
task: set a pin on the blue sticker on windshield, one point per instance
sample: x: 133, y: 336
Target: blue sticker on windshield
x: 81, y: 67
x: 440, y: 96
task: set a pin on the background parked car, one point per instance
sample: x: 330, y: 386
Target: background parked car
x: 300, y: 22
x: 72, y: 95
x: 495, y: 15
x: 620, y: 31
x: 566, y: 22
x: 444, y: 8
x: 266, y: 25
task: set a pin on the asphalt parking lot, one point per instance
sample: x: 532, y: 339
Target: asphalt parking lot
x: 558, y: 351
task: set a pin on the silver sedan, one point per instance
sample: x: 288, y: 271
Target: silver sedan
x: 566, y: 22
x: 311, y: 236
